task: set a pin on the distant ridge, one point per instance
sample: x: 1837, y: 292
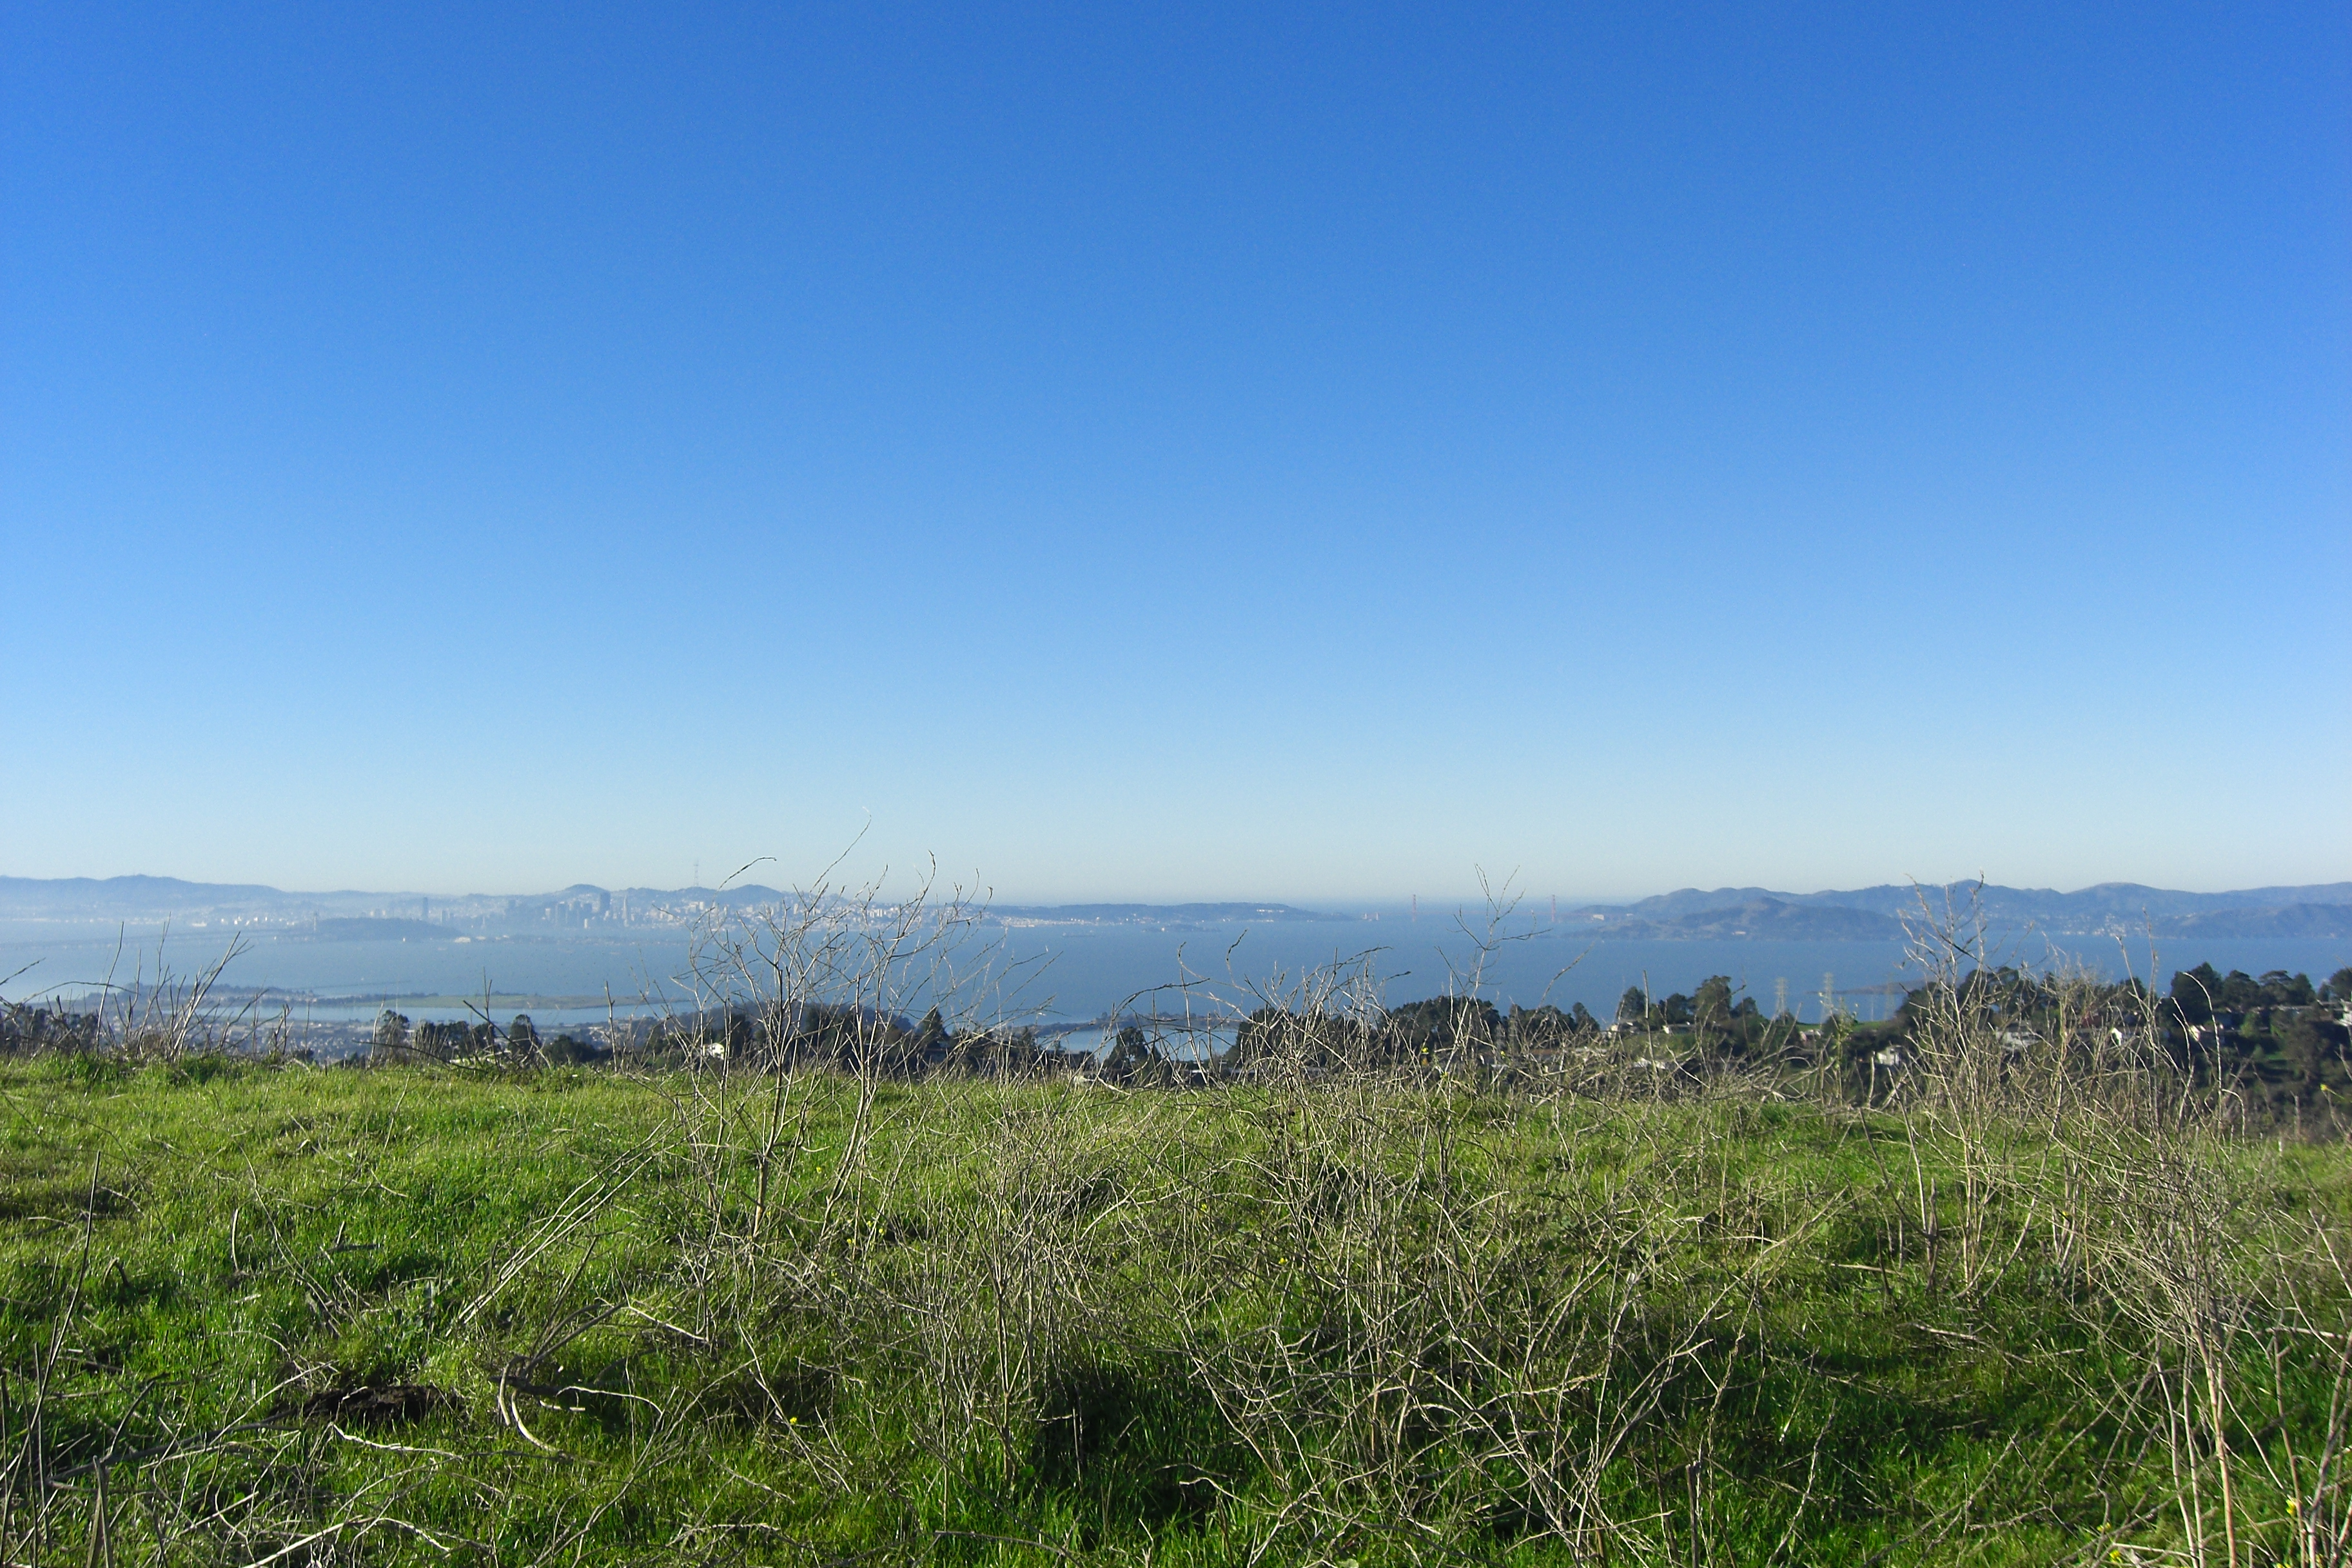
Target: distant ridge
x: 163, y: 897
x: 1774, y: 919
x: 89, y: 898
x: 2314, y: 920
x: 349, y: 915
x: 2323, y: 910
x: 2320, y: 911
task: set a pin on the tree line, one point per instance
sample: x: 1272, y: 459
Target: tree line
x: 2277, y: 1033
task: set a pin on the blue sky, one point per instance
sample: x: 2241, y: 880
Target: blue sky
x: 1180, y: 451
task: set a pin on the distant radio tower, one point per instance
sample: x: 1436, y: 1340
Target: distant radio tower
x: 1829, y: 997
x: 1780, y: 997
x: 1555, y: 909
x: 1416, y: 908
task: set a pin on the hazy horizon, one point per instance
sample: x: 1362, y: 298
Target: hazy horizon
x: 1437, y: 899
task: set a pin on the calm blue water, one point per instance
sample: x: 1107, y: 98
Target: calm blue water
x: 1094, y: 970
x: 1077, y: 973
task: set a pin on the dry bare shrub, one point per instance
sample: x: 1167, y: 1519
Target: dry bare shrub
x: 2085, y: 1145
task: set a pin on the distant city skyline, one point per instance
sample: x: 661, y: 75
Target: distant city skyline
x: 1225, y: 452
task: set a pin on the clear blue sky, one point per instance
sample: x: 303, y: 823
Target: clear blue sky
x: 1177, y: 451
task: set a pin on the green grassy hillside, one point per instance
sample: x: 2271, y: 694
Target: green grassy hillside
x: 253, y: 1313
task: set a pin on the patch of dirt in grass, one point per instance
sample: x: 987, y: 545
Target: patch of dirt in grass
x: 375, y: 1404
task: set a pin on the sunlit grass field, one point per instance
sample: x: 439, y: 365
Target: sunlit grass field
x: 259, y: 1313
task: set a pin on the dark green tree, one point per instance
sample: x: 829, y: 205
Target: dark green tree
x: 1131, y: 1056
x: 2195, y: 991
x: 570, y: 1050
x: 2281, y: 989
x: 1422, y: 1031
x: 2238, y: 993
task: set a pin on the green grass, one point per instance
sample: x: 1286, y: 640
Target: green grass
x: 1043, y: 1323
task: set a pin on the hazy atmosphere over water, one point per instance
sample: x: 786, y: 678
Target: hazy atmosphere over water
x: 579, y: 954
x: 1177, y: 453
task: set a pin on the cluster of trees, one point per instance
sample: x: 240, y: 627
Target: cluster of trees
x: 2277, y: 1032
x: 2199, y: 995
x: 450, y: 1040
x: 24, y: 1030
x: 2277, y: 1038
x: 815, y: 1034
x: 1434, y: 1032
x: 835, y: 1035
x: 823, y: 1035
x: 1717, y: 1015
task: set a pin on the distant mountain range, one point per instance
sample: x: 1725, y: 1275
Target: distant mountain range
x: 1766, y: 917
x: 347, y: 914
x: 168, y: 897
x: 2321, y: 911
